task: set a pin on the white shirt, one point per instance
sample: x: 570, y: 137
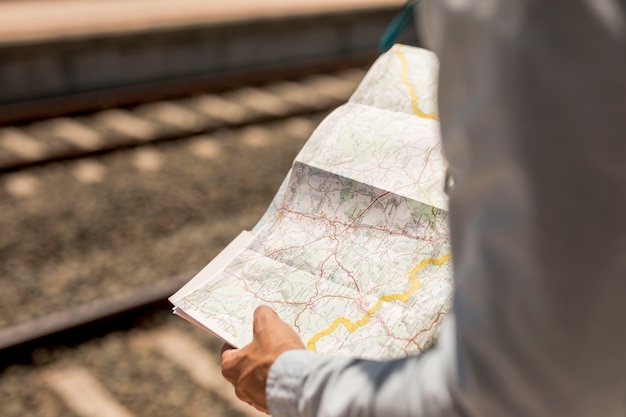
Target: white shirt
x: 533, y: 115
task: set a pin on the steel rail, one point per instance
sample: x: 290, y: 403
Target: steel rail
x: 85, y: 321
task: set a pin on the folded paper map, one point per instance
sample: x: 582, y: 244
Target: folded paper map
x: 353, y: 251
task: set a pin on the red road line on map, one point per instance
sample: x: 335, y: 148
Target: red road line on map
x: 366, y: 209
x: 413, y: 339
x: 348, y: 273
x: 348, y: 226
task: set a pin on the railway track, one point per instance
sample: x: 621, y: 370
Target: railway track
x: 100, y: 210
x: 64, y: 138
x: 160, y: 367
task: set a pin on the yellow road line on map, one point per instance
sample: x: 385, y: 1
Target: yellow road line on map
x: 405, y: 80
x: 403, y: 297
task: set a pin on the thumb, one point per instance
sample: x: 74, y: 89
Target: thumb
x: 264, y: 316
x: 227, y: 351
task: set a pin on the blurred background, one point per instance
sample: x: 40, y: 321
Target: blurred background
x: 137, y: 138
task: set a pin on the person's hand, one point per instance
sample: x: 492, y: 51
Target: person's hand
x: 247, y: 368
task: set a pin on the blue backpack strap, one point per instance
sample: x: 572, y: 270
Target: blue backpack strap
x: 397, y: 25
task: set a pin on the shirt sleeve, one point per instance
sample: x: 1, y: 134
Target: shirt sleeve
x: 334, y: 387
x: 532, y: 97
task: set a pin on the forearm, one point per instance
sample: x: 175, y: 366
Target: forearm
x: 310, y: 385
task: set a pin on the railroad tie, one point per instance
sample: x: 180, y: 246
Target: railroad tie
x: 81, y: 391
x: 199, y: 364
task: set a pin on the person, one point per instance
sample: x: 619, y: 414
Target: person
x: 532, y: 98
